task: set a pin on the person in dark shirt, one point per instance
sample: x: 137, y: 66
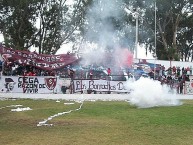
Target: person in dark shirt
x: 181, y: 83
x: 70, y: 73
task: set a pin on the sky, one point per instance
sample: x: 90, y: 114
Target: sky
x: 68, y: 47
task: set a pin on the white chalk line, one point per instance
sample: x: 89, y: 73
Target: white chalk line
x: 44, y: 123
x: 18, y: 108
x: 11, y: 106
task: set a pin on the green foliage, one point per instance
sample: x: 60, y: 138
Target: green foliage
x: 41, y: 23
x: 17, y: 23
x: 170, y: 16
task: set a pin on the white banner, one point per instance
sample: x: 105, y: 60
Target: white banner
x: 100, y: 85
x: 30, y: 84
x: 188, y: 88
x: 50, y: 84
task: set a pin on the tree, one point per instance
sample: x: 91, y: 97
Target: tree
x: 45, y: 24
x: 58, y: 24
x: 170, y: 17
x: 17, y: 23
x: 185, y: 38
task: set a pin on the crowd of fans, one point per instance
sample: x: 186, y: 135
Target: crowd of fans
x: 17, y: 69
x: 174, y: 76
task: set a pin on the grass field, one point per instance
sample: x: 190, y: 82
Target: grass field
x: 96, y: 123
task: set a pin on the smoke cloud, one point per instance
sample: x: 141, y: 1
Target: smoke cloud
x: 101, y: 16
x: 148, y: 93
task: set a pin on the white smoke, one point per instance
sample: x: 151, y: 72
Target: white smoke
x: 148, y: 93
x: 101, y: 29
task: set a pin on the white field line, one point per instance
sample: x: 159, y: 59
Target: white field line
x: 11, y: 106
x: 18, y: 108
x: 44, y: 123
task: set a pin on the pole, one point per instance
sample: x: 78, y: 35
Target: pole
x: 136, y: 16
x: 155, y: 40
x: 81, y: 81
x: 136, y: 40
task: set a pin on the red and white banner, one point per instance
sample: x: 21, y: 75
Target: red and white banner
x: 43, y: 61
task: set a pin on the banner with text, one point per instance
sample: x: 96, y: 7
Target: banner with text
x: 43, y: 61
x: 31, y: 84
x: 100, y: 85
